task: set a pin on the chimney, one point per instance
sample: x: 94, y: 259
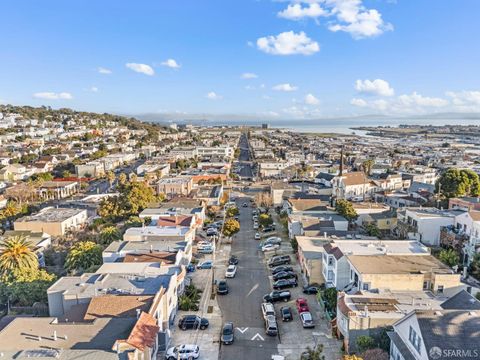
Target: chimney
x: 55, y: 335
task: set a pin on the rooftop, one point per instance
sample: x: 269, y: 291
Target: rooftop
x: 154, y: 245
x: 398, y: 264
x: 379, y: 247
x: 52, y: 215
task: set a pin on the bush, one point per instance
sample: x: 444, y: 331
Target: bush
x: 265, y: 220
x: 449, y: 257
x: 330, y: 296
x: 365, y: 343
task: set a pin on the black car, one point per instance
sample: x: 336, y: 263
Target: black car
x: 245, y: 205
x: 227, y: 333
x: 268, y: 229
x: 233, y: 260
x: 310, y: 290
x: 279, y: 260
x: 286, y: 313
x: 284, y: 284
x: 192, y: 322
x: 281, y: 269
x: 276, y: 296
x: 222, y: 287
x: 284, y: 275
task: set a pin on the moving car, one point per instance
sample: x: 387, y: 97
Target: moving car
x: 276, y: 296
x: 231, y: 271
x: 270, y: 247
x: 310, y: 290
x: 208, y: 264
x: 302, y: 305
x: 183, y: 352
x: 192, y: 322
x: 281, y: 269
x: 227, y: 333
x: 284, y: 275
x: 279, y: 260
x: 285, y: 284
x: 267, y: 309
x: 233, y: 260
x: 307, y: 320
x: 286, y: 313
x: 222, y: 287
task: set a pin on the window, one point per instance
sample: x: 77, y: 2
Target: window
x: 365, y: 286
x: 440, y: 289
x: 425, y: 285
x: 414, y: 339
x: 330, y: 261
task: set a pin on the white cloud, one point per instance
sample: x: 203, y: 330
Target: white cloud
x: 249, y: 75
x: 94, y: 89
x: 311, y: 100
x: 171, y: 63
x: 288, y: 43
x: 302, y: 112
x: 464, y: 98
x: 358, y: 102
x: 297, y: 11
x: 141, y: 68
x: 376, y: 87
x: 357, y: 20
x: 53, y: 96
x: 416, y: 99
x: 249, y: 87
x: 103, y: 70
x: 213, y: 96
x: 285, y: 87
x: 380, y: 104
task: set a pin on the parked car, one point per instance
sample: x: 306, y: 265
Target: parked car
x: 231, y: 271
x: 205, y: 250
x: 284, y: 275
x: 274, y: 240
x: 257, y: 236
x: 309, y: 290
x: 279, y: 260
x: 276, y: 296
x: 285, y: 284
x: 212, y: 231
x: 227, y: 333
x: 270, y: 247
x: 281, y: 269
x: 222, y: 287
x: 271, y: 327
x: 302, y: 305
x: 267, y: 309
x: 255, y: 217
x: 307, y: 320
x: 190, y: 268
x: 255, y: 225
x: 203, y: 244
x: 245, y: 205
x: 208, y: 264
x: 286, y: 313
x: 233, y: 260
x: 186, y: 351
x: 188, y: 322
x: 268, y: 229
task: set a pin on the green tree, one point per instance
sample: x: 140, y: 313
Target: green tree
x: 345, y: 208
x: 367, y: 166
x: 11, y: 210
x: 111, y: 177
x: 83, y: 255
x: 365, y: 343
x: 42, y: 176
x: 231, y: 227
x: 265, y: 220
x: 330, y: 296
x: 16, y: 254
x: 372, y: 230
x: 458, y: 182
x: 109, y: 234
x: 449, y: 257
x: 232, y: 211
x: 122, y: 179
x: 313, y: 354
x: 475, y: 266
x: 66, y: 174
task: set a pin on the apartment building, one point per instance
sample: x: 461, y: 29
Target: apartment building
x: 175, y: 186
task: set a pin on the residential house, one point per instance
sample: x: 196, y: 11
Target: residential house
x: 175, y: 186
x: 310, y: 252
x: 55, y: 190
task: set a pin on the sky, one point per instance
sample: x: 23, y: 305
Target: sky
x: 266, y: 58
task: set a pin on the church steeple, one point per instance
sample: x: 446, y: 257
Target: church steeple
x: 341, y: 161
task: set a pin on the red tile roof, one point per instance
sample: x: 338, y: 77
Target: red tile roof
x: 144, y: 332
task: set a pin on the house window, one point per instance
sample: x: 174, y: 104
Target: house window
x: 414, y: 339
x: 330, y: 261
x: 440, y: 289
x: 425, y: 285
x: 365, y: 286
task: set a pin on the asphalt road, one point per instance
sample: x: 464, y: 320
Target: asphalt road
x: 242, y: 304
x: 244, y: 159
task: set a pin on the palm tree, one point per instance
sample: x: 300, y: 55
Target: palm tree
x: 16, y: 254
x: 111, y: 177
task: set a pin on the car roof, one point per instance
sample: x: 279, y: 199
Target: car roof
x: 306, y: 315
x: 228, y: 325
x: 190, y: 316
x: 187, y: 347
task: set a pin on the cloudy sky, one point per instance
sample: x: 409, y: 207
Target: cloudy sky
x: 278, y: 59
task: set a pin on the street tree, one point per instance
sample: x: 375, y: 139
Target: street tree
x: 231, y: 227
x: 315, y: 353
x: 83, y: 255
x: 345, y: 208
x: 111, y: 177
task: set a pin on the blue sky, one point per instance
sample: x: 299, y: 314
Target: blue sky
x: 305, y: 59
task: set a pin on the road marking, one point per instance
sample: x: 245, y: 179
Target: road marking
x: 242, y: 330
x: 252, y: 290
x: 257, y: 336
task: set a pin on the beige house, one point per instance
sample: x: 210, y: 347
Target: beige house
x: 310, y: 252
x: 402, y: 273
x: 58, y: 189
x: 53, y: 221
x: 174, y: 186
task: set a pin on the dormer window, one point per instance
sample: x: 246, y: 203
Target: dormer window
x: 414, y: 339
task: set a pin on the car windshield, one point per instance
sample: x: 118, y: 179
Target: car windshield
x: 307, y: 316
x: 227, y: 330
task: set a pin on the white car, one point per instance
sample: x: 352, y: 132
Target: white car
x: 307, y: 320
x: 257, y: 236
x: 255, y: 225
x: 231, y: 271
x: 187, y: 351
x: 270, y: 247
x: 273, y: 240
x: 204, y: 244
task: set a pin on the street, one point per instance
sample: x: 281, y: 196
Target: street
x: 244, y: 159
x: 242, y: 304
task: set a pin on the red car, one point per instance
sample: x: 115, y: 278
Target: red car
x: 302, y: 305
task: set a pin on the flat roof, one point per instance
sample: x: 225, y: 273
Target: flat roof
x: 378, y: 247
x: 51, y: 215
x: 397, y: 264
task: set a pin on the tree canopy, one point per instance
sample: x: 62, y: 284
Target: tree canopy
x: 16, y: 255
x: 345, y: 208
x: 231, y: 227
x: 458, y: 182
x: 83, y: 255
